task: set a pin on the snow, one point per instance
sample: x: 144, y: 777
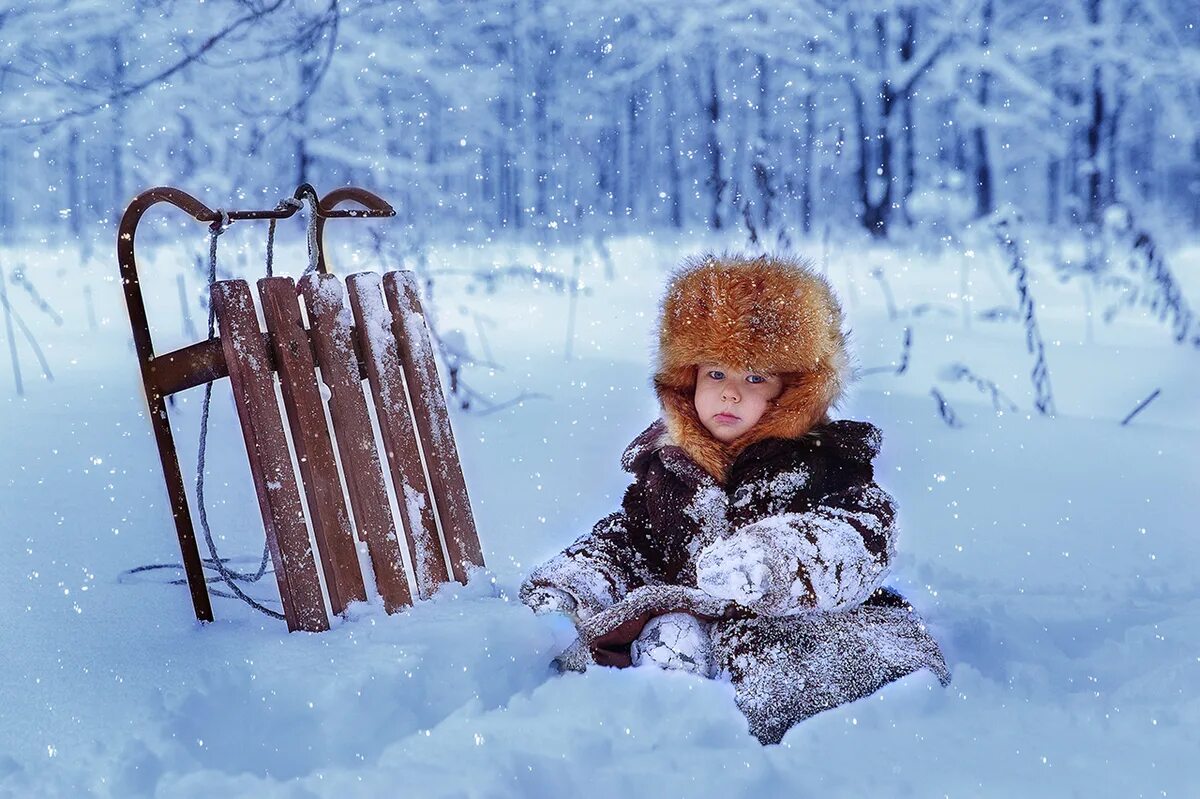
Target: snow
x: 675, y: 641
x: 1053, y: 557
x: 735, y: 568
x: 414, y: 507
x: 708, y: 509
x: 781, y: 486
x: 422, y: 353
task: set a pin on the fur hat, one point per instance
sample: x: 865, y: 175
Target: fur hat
x: 769, y: 314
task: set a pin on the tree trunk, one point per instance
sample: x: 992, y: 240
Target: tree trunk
x: 606, y: 155
x: 120, y: 110
x: 713, y: 143
x: 541, y: 144
x: 505, y: 200
x: 674, y: 175
x: 1054, y: 162
x: 1145, y: 150
x: 808, y: 165
x: 958, y: 142
x: 541, y: 126
x: 875, y: 214
x: 983, y: 170
x: 1113, y: 141
x: 907, y: 46
x: 300, y: 122
x: 1095, y: 199
x: 765, y: 148
x: 74, y: 179
x: 629, y: 160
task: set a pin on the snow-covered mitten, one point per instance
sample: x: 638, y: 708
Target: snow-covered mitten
x: 548, y: 599
x: 675, y: 641
x: 734, y: 568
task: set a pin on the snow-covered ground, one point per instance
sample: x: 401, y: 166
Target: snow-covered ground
x: 1054, y: 557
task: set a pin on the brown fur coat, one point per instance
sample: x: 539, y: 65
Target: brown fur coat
x: 796, y: 494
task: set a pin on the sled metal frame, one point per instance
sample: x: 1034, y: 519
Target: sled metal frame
x: 251, y: 358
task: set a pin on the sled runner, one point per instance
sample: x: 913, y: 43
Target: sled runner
x: 369, y: 341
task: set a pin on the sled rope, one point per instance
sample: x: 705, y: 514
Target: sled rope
x: 229, y: 576
x: 312, y: 231
x: 287, y: 202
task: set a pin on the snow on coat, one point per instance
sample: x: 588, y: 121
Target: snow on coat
x: 805, y: 513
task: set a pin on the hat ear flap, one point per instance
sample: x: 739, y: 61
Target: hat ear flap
x: 685, y: 430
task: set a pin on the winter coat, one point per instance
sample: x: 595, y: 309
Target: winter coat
x: 824, y: 632
x: 784, y: 525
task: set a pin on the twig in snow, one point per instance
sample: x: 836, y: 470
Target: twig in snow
x: 960, y: 371
x: 19, y: 278
x: 12, y: 339
x: 468, y: 395
x: 1044, y: 399
x: 999, y: 313
x: 922, y: 308
x: 944, y: 409
x: 37, y: 350
x: 1152, y: 286
x: 1165, y: 296
x: 1141, y: 405
x: 536, y: 275
x: 903, y: 365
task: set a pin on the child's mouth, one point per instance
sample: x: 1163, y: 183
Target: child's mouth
x: 726, y: 417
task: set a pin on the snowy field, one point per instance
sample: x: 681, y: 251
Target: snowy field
x: 1054, y: 557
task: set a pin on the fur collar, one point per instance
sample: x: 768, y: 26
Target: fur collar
x: 846, y: 439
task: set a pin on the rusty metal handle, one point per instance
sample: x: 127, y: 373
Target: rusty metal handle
x: 326, y: 209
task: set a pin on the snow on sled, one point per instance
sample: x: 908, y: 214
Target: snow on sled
x: 370, y: 342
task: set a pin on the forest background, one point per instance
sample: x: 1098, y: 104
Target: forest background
x: 784, y: 120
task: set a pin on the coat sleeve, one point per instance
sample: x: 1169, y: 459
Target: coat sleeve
x: 601, y: 567
x: 829, y: 555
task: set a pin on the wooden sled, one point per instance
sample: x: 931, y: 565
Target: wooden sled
x: 374, y: 349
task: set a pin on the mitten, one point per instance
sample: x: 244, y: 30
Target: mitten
x: 734, y: 568
x: 548, y: 599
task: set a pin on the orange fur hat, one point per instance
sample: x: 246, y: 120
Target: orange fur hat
x: 769, y: 314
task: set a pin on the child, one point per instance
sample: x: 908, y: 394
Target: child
x: 753, y: 542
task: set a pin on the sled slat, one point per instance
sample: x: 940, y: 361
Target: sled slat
x: 384, y: 373
x: 433, y: 423
x: 314, y: 449
x: 253, y: 386
x: 329, y: 321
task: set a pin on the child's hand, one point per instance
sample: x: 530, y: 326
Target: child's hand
x: 733, y: 568
x: 546, y: 599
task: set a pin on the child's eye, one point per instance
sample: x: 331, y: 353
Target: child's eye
x: 755, y: 379
x: 716, y: 374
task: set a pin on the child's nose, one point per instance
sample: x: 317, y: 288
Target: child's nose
x: 730, y: 394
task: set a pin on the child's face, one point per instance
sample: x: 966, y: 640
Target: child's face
x: 730, y: 401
